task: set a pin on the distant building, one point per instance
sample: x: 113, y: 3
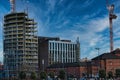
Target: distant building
x: 20, y: 44
x: 53, y: 50
x: 84, y: 59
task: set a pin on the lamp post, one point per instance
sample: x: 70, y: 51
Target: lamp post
x: 98, y: 49
x: 43, y: 64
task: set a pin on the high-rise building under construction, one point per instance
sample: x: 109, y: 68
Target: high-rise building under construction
x: 20, y: 44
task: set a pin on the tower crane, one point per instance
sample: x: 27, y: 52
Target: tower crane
x: 12, y: 5
x: 111, y: 17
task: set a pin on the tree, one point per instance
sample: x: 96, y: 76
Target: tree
x: 33, y: 75
x: 110, y: 74
x: 43, y: 75
x: 61, y: 74
x: 51, y: 74
x: 71, y: 76
x: 102, y: 73
x: 117, y: 72
x: 22, y: 75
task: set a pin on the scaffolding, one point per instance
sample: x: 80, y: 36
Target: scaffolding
x: 20, y: 43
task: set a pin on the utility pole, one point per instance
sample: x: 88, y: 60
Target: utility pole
x: 111, y: 17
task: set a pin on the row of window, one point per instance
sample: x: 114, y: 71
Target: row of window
x: 62, y: 56
x: 62, y: 46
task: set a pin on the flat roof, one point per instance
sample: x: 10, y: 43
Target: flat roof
x: 74, y: 64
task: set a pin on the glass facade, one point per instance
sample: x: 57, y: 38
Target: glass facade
x: 62, y: 52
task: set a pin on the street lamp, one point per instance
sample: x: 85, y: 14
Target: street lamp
x: 98, y: 49
x: 43, y: 64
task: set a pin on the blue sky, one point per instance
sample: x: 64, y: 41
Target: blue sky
x: 69, y: 19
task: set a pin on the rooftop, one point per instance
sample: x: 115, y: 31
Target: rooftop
x: 117, y: 51
x: 75, y: 64
x: 110, y: 55
x: 52, y: 38
x: 18, y: 13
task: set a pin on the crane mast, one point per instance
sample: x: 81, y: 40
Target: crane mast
x: 12, y: 5
x: 111, y: 17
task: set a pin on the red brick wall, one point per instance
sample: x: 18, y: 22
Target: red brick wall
x: 76, y: 71
x: 112, y: 65
x: 94, y: 70
x: 107, y: 65
x: 102, y: 64
x: 118, y: 54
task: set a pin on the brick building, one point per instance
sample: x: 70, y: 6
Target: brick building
x: 106, y: 61
x: 76, y: 69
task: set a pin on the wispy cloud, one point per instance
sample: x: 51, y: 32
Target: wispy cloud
x: 56, y: 18
x: 89, y: 16
x: 51, y: 4
x: 69, y: 19
x: 91, y: 34
x: 117, y: 5
x: 86, y: 3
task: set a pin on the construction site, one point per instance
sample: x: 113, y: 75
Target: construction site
x: 25, y: 51
x: 20, y: 43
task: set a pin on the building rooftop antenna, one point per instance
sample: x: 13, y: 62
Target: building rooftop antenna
x: 12, y: 5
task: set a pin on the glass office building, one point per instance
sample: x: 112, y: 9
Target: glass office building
x: 62, y: 52
x: 53, y: 50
